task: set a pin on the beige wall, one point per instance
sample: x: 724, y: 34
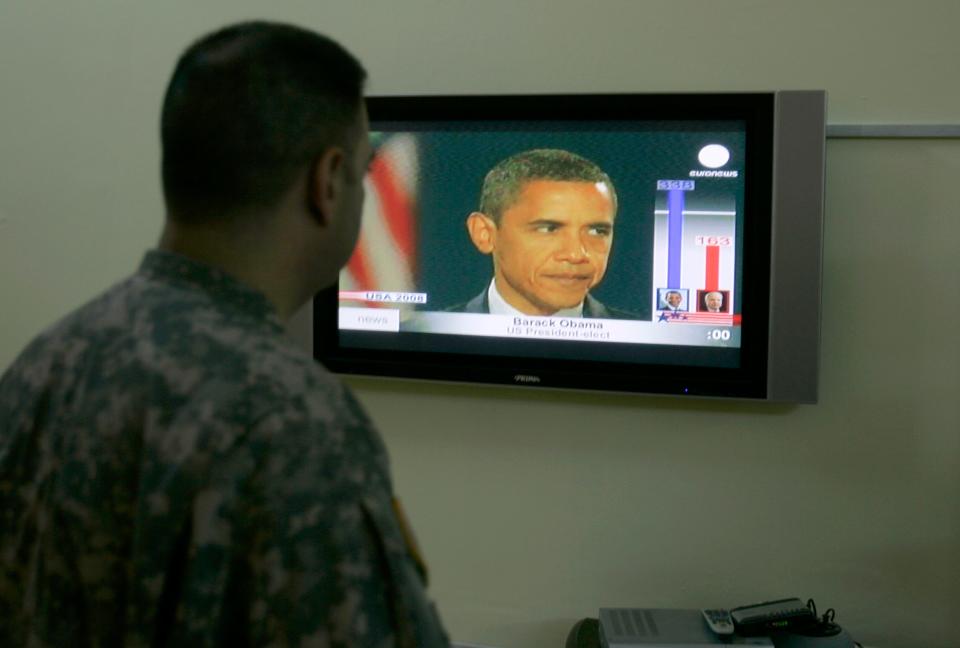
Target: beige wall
x: 537, y: 508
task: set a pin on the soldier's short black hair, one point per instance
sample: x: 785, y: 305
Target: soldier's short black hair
x: 246, y: 107
x: 503, y: 183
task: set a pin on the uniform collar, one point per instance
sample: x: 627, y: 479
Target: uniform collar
x: 224, y: 289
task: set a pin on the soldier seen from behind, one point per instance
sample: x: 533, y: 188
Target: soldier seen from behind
x: 173, y: 471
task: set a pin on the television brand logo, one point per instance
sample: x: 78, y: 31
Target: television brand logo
x: 523, y: 378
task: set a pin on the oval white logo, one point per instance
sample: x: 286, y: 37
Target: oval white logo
x: 714, y: 156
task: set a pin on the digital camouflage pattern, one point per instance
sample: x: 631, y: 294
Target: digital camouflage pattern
x: 175, y: 472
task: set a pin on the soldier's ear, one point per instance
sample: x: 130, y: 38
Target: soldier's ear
x: 483, y: 231
x: 325, y: 187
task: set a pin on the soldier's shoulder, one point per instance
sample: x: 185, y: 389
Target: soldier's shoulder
x: 300, y: 384
x: 66, y: 339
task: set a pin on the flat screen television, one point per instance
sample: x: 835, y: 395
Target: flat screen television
x: 650, y: 243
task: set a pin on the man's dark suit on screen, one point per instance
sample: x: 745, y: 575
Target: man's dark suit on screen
x: 592, y: 308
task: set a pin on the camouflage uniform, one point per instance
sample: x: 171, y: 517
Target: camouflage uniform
x: 174, y: 472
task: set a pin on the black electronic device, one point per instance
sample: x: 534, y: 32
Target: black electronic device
x: 698, y: 274
x: 815, y: 638
x: 770, y: 617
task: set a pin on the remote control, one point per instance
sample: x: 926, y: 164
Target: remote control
x: 719, y: 621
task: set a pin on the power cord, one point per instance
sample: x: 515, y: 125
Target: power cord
x: 824, y: 626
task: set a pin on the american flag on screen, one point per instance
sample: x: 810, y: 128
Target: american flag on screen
x: 386, y: 251
x: 716, y: 319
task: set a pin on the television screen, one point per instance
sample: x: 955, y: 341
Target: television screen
x: 618, y: 242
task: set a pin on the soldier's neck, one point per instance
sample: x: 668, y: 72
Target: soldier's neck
x: 243, y: 254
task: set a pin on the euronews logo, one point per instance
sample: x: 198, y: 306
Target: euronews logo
x: 714, y: 157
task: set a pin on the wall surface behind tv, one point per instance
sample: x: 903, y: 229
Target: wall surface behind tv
x: 535, y: 509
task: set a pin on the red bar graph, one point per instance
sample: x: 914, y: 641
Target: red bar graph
x: 712, y: 281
